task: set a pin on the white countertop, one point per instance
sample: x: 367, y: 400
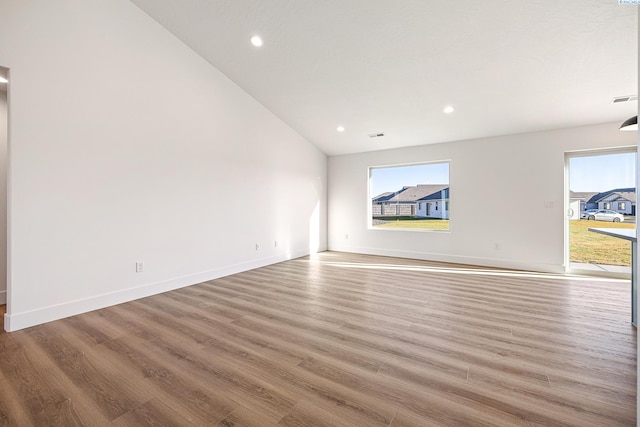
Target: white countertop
x: 622, y: 233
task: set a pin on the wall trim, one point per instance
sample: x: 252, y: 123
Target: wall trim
x: 456, y: 259
x: 3, y: 297
x: 16, y: 321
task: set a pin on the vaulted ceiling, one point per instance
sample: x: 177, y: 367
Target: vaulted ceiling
x: 383, y: 66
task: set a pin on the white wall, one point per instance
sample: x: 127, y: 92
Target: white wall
x: 499, y: 187
x: 3, y: 197
x: 126, y: 146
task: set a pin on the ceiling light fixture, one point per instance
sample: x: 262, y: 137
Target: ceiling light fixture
x: 630, y: 124
x: 449, y: 109
x: 340, y: 128
x: 256, y: 41
x: 3, y: 80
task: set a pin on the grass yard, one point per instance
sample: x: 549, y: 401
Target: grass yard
x: 412, y: 223
x: 589, y: 247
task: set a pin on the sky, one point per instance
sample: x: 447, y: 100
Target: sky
x: 602, y: 172
x: 394, y: 178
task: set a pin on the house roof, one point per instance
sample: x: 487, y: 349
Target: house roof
x: 582, y: 195
x: 384, y: 196
x: 417, y: 192
x: 437, y: 195
x: 625, y: 193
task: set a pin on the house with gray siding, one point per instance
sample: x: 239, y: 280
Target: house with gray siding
x: 423, y: 200
x: 621, y: 200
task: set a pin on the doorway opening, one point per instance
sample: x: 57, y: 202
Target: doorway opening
x: 601, y: 193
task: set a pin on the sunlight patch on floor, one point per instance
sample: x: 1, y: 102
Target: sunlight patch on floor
x: 464, y: 271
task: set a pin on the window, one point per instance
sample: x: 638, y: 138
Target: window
x: 622, y: 206
x: 607, y: 205
x: 410, y: 197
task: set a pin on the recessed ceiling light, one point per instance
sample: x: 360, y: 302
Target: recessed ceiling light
x: 256, y: 41
x: 449, y: 109
x: 3, y: 80
x: 340, y: 128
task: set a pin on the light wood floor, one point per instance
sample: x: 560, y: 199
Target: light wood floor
x: 338, y: 339
x: 3, y: 310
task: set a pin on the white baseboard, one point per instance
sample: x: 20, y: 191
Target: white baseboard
x: 17, y: 321
x: 456, y: 259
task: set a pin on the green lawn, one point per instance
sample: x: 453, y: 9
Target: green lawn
x: 413, y: 223
x: 589, y: 247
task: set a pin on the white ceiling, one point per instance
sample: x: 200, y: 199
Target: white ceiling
x: 508, y: 66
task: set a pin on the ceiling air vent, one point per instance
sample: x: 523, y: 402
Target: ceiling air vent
x: 620, y: 99
x: 376, y: 135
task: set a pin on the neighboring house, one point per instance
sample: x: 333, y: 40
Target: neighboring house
x: 621, y: 200
x: 579, y: 202
x: 435, y: 205
x: 424, y: 200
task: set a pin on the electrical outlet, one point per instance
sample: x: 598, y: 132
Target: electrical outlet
x: 275, y: 244
x: 139, y: 267
x: 346, y: 236
x: 497, y: 246
x: 257, y: 247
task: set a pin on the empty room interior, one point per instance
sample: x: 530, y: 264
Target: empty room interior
x: 318, y: 213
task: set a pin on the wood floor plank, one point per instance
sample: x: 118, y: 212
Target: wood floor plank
x: 112, y: 395
x: 434, y: 404
x: 278, y: 372
x: 152, y: 413
x: 3, y: 310
x: 12, y: 413
x: 552, y: 401
x: 337, y: 339
x: 244, y: 417
x: 305, y: 414
x: 82, y: 404
x: 408, y: 419
x: 194, y: 402
x: 44, y: 403
x: 154, y: 339
x: 328, y: 395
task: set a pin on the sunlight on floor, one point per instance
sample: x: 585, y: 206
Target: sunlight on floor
x: 463, y: 271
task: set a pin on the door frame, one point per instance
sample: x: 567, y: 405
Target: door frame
x: 567, y: 201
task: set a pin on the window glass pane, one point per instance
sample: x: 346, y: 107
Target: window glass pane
x: 410, y: 197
